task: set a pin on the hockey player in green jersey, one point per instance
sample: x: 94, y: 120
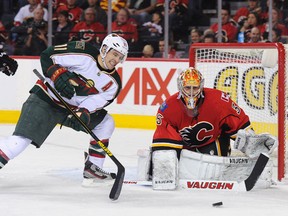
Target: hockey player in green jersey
x: 87, y: 80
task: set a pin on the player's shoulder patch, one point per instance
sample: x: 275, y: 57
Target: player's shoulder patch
x: 163, y: 106
x: 80, y: 45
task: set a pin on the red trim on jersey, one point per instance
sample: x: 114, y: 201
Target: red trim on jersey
x: 107, y: 86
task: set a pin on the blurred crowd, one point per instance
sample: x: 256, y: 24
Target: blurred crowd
x: 24, y: 26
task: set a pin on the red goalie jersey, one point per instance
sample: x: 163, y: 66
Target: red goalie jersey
x: 217, y: 121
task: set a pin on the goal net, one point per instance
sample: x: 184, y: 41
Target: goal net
x: 254, y: 75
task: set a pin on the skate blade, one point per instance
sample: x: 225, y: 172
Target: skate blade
x: 88, y: 182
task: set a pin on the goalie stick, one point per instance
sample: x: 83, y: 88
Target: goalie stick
x: 246, y: 185
x: 117, y: 185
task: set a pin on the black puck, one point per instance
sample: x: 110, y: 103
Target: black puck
x: 217, y: 204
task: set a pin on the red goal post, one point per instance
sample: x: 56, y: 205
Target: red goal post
x: 254, y: 75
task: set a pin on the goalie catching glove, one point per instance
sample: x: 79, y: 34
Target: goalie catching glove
x: 7, y: 64
x: 72, y: 122
x: 253, y: 144
x: 63, y: 80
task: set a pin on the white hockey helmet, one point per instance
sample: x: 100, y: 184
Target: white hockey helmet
x: 114, y: 41
x: 190, y: 84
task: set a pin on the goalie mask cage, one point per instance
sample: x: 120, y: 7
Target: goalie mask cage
x: 254, y: 75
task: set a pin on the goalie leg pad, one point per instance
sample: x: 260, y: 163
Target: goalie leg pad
x: 165, y: 170
x: 197, y: 166
x: 193, y: 165
x: 143, y: 166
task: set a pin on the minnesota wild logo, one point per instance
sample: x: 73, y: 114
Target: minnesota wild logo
x: 85, y: 86
x: 90, y: 83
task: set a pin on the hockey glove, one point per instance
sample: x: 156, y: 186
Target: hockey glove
x: 7, y: 64
x: 253, y: 144
x: 62, y: 79
x: 72, y: 122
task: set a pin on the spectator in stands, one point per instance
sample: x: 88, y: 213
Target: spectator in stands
x: 229, y: 27
x: 33, y: 35
x: 209, y: 38
x: 243, y: 29
x: 127, y: 29
x: 74, y: 11
x: 276, y: 36
x: 27, y: 11
x: 253, y: 20
x: 88, y: 30
x: 178, y: 18
x: 252, y: 6
x: 255, y: 35
x: 153, y: 30
x: 207, y: 31
x: 61, y: 28
x: 275, y: 23
x: 265, y: 11
x: 148, y: 51
x: 194, y: 37
x: 171, y: 51
x: 101, y: 15
x: 141, y: 10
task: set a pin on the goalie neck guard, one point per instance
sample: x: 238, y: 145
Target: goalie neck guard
x: 190, y: 84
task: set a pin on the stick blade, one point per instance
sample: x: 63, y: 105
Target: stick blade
x: 257, y: 171
x: 118, y: 183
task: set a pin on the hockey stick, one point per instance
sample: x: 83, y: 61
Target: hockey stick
x: 246, y: 185
x: 117, y: 186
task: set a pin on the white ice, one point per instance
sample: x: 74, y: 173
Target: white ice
x: 47, y: 182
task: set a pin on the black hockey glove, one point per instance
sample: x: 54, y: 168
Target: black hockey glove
x: 7, y: 64
x: 63, y: 80
x: 72, y: 122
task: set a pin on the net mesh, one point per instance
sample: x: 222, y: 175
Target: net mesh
x: 250, y: 76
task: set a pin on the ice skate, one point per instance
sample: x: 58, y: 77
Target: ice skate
x: 94, y: 175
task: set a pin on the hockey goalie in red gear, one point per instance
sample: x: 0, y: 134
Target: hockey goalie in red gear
x: 197, y: 118
x: 194, y: 127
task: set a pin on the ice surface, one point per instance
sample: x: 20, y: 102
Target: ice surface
x: 47, y: 182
